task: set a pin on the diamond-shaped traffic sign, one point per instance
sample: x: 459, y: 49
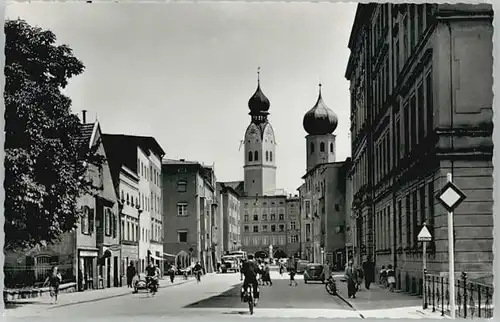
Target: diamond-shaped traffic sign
x: 451, y: 196
x: 424, y: 235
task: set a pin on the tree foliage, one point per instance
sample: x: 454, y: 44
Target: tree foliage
x: 46, y: 161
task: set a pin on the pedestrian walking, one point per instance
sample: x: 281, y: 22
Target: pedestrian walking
x: 292, y: 276
x: 360, y: 276
x: 267, y: 276
x: 391, y: 278
x: 369, y: 272
x: 131, y: 272
x: 350, y: 275
x: 171, y: 273
x: 54, y: 280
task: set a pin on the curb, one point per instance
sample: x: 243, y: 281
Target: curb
x: 113, y: 296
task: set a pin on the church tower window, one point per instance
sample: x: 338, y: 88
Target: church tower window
x: 312, y: 148
x: 250, y: 156
x: 256, y: 156
x: 267, y: 155
x: 271, y: 156
x: 322, y: 147
x: 331, y: 147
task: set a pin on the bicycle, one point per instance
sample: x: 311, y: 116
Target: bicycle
x: 249, y: 298
x: 331, y: 286
x: 152, y: 287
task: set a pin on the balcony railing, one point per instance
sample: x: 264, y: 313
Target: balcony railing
x: 472, y: 300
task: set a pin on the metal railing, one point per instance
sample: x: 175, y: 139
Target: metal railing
x: 472, y: 300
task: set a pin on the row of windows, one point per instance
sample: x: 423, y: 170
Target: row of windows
x: 87, y: 222
x: 150, y: 173
x: 264, y: 217
x: 265, y: 203
x: 411, y: 212
x: 254, y: 156
x: 322, y: 147
x: 151, y: 203
x: 156, y: 232
x: 130, y: 229
x: 281, y: 228
x: 263, y: 240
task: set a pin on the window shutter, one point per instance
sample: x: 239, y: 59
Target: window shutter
x: 91, y: 220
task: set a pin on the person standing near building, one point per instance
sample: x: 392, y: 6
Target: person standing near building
x: 131, y: 271
x: 369, y: 272
x: 351, y: 277
x: 391, y: 278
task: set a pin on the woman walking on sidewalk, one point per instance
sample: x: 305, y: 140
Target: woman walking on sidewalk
x: 351, y: 277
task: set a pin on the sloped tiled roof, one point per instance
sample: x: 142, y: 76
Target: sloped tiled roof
x: 86, y: 133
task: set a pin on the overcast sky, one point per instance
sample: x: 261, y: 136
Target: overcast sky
x: 183, y: 72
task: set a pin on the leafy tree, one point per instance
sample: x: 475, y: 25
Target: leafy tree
x: 46, y: 160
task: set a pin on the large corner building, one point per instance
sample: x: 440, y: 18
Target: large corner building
x: 421, y: 107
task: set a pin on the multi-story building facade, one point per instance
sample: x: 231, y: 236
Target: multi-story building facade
x: 323, y: 193
x: 129, y: 221
x: 139, y: 154
x: 293, y: 225
x: 231, y: 239
x: 189, y: 206
x: 156, y: 213
x: 89, y: 255
x: 421, y: 107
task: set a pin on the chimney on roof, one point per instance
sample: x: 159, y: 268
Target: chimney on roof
x: 84, y: 116
x: 182, y: 160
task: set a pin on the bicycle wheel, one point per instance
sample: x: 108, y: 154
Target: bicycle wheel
x: 330, y: 289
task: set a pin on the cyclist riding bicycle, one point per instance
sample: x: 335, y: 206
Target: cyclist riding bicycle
x: 250, y: 270
x: 197, y: 269
x: 152, y: 274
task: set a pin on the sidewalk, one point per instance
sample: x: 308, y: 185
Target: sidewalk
x: 66, y: 299
x: 378, y: 302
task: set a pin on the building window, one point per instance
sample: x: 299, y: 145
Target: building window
x: 308, y: 208
x: 415, y: 217
x: 250, y: 156
x: 282, y: 217
x: 264, y: 228
x: 256, y: 156
x: 255, y: 229
x: 408, y: 221
x: 400, y: 223
x: 273, y: 217
x: 312, y: 148
x: 182, y: 209
x: 264, y: 217
x: 182, y: 236
x: 322, y: 147
x: 273, y: 228
x: 267, y: 155
x: 337, y: 207
x: 331, y: 147
x: 406, y: 128
x: 292, y: 225
x: 245, y: 218
x: 85, y: 221
x: 271, y: 156
x: 255, y: 217
x: 429, y: 103
x: 182, y: 186
x: 294, y: 239
x: 282, y: 227
x: 107, y: 221
x: 246, y: 229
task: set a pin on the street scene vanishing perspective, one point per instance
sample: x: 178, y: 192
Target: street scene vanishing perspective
x: 248, y: 160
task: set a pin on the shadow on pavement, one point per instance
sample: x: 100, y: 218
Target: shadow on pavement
x: 226, y: 299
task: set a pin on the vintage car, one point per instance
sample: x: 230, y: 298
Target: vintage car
x: 314, y: 272
x: 229, y: 263
x: 301, y: 266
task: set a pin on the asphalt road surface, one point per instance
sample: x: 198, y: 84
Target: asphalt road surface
x: 216, y: 295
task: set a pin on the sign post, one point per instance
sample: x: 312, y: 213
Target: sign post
x: 450, y: 197
x: 424, y: 236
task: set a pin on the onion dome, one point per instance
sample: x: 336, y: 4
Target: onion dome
x: 258, y: 102
x: 320, y: 120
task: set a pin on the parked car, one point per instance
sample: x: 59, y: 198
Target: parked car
x: 314, y: 272
x: 301, y: 266
x: 229, y: 263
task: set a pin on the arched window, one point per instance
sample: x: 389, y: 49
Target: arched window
x: 271, y: 156
x: 256, y: 156
x: 267, y: 156
x: 312, y: 148
x: 250, y: 156
x: 322, y: 147
x: 331, y: 147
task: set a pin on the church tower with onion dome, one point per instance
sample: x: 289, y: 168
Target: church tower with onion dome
x: 260, y: 147
x: 320, y: 122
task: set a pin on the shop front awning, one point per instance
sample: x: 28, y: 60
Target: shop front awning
x: 169, y: 255
x: 156, y: 258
